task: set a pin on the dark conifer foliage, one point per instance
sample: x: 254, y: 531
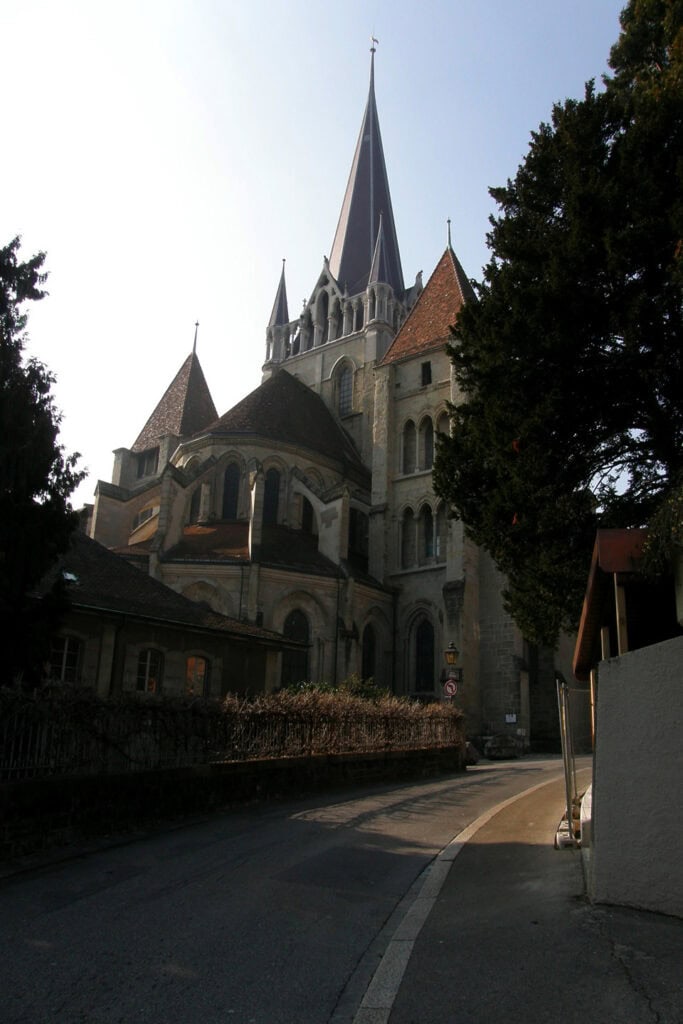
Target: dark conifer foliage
x: 570, y: 359
x: 36, y: 477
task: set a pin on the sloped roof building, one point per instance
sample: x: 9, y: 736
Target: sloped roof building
x: 308, y: 508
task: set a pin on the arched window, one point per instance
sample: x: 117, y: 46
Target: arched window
x: 195, y: 503
x: 271, y: 497
x: 345, y: 391
x: 307, y: 517
x: 295, y: 662
x: 408, y: 539
x: 427, y: 443
x: 231, y: 490
x: 323, y: 315
x: 150, y: 670
x: 65, y: 659
x: 197, y: 677
x: 369, y: 659
x: 372, y: 304
x: 409, y: 446
x: 441, y: 533
x: 424, y: 656
x: 426, y: 534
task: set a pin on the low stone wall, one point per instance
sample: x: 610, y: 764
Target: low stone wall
x: 36, y: 814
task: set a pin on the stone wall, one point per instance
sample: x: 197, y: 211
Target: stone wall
x: 42, y: 813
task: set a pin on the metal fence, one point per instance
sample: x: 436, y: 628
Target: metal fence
x: 45, y: 737
x: 574, y: 709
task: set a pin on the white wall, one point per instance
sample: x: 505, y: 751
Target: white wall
x: 638, y: 774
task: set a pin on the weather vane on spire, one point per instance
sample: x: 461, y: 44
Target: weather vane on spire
x: 375, y: 44
x: 449, y: 233
x: 196, y: 328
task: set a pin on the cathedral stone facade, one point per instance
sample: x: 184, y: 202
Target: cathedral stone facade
x: 308, y: 508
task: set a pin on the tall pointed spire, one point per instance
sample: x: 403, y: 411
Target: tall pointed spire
x: 367, y: 199
x: 379, y: 270
x: 280, y: 314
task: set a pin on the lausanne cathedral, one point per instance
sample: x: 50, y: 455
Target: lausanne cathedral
x: 308, y: 508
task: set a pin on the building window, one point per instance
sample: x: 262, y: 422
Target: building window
x: 408, y: 539
x: 358, y: 533
x: 148, y: 463
x: 345, y: 391
x: 295, y: 662
x: 426, y: 369
x: 271, y: 497
x: 307, y: 517
x: 427, y: 443
x: 441, y: 533
x: 231, y: 489
x: 65, y: 659
x: 426, y: 534
x: 409, y: 447
x: 195, y: 503
x: 197, y: 672
x: 369, y: 662
x: 150, y: 671
x: 424, y: 656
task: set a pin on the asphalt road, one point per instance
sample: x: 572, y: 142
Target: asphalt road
x: 270, y: 914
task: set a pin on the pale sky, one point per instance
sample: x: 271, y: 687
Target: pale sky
x: 167, y: 154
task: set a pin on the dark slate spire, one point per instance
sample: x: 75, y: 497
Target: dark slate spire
x: 280, y: 314
x: 185, y: 408
x: 367, y: 199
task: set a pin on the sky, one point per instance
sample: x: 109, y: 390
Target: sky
x: 168, y: 154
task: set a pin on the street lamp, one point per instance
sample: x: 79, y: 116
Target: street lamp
x: 451, y: 676
x: 451, y: 654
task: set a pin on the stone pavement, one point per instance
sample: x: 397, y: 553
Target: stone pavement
x: 501, y: 931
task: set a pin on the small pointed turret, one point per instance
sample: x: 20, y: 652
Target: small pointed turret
x: 185, y: 408
x: 379, y: 270
x: 367, y: 198
x: 280, y: 315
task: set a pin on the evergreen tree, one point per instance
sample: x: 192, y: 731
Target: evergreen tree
x: 570, y: 359
x: 36, y: 477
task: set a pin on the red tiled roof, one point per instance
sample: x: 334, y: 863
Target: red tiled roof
x: 185, y: 408
x: 429, y: 321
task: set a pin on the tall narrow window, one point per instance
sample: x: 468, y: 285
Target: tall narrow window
x: 426, y: 534
x: 408, y: 539
x: 426, y: 373
x: 147, y: 463
x: 271, y: 497
x: 195, y: 504
x: 197, y: 677
x: 427, y: 438
x: 369, y: 666
x: 295, y: 662
x: 150, y: 671
x: 231, y: 489
x: 409, y: 446
x: 307, y: 518
x: 345, y: 391
x: 323, y: 313
x: 424, y: 656
x: 441, y: 533
x: 65, y: 659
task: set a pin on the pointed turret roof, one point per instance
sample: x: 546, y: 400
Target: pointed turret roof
x: 280, y: 314
x: 285, y: 409
x: 379, y: 270
x: 185, y: 408
x: 367, y: 198
x: 429, y: 321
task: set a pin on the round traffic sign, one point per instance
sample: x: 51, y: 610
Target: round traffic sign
x: 450, y: 687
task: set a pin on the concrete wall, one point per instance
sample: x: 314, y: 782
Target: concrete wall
x: 636, y: 830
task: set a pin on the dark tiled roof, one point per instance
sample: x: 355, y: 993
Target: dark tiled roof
x: 367, y: 198
x: 429, y: 322
x: 185, y: 408
x: 280, y: 546
x: 106, y: 582
x: 214, y: 542
x: 284, y: 409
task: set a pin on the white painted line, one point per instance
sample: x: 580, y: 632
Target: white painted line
x: 383, y: 989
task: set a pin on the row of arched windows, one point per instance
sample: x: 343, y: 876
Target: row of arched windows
x: 423, y: 536
x: 417, y: 449
x: 229, y: 485
x: 420, y: 644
